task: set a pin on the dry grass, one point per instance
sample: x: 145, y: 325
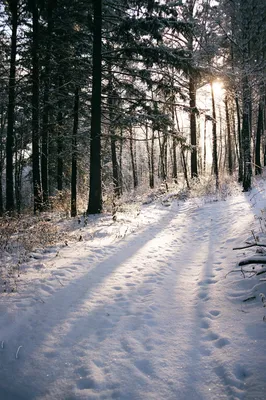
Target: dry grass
x: 18, y: 238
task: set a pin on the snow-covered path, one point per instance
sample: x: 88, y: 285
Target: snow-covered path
x: 148, y: 317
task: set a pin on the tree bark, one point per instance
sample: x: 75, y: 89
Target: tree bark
x: 37, y: 194
x: 204, y: 145
x: 193, y: 126
x: 246, y: 137
x: 132, y: 157
x: 258, y: 169
x: 229, y: 139
x: 214, y: 139
x: 111, y: 105
x: 2, y: 128
x: 95, y: 195
x: 240, y: 141
x: 46, y: 106
x: 10, y: 204
x: 74, y: 155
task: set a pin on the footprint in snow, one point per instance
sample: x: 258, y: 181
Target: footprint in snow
x: 204, y: 324
x: 241, y: 372
x: 215, y: 313
x: 117, y: 287
x: 144, y: 366
x: 51, y: 354
x: 208, y: 281
x: 86, y: 383
x: 220, y: 343
x: 211, y: 336
x: 150, y: 281
x: 203, y: 296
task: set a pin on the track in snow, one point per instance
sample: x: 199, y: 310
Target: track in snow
x: 147, y: 318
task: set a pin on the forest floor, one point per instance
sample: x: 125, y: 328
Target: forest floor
x: 142, y: 307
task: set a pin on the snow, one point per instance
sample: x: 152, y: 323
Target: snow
x: 143, y: 307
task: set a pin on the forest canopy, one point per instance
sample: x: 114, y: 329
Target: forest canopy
x: 100, y: 97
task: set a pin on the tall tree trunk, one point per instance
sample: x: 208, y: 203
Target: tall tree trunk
x: 150, y: 157
x: 121, y: 162
x: 245, y: 9
x: 111, y: 105
x: 240, y: 140
x: 185, y: 166
x: 74, y: 156
x: 18, y: 172
x: 46, y: 107
x: 10, y: 204
x: 229, y: 140
x: 60, y: 135
x: 95, y: 196
x: 193, y: 126
x: 132, y: 157
x: 165, y: 154
x: 192, y: 96
x: 174, y: 140
x: 174, y: 173
x: 35, y: 110
x: 162, y: 173
x: 2, y: 127
x: 258, y: 169
x: 204, y: 145
x: 246, y: 136
x: 220, y: 146
x: 214, y: 139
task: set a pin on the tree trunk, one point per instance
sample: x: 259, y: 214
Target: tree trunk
x: 2, y: 127
x: 258, y: 169
x: 111, y: 105
x: 204, y: 145
x: 246, y: 8
x: 150, y: 156
x: 18, y: 172
x: 162, y: 173
x: 120, y: 162
x: 184, y: 166
x: 246, y: 137
x: 46, y: 107
x: 74, y: 156
x: 10, y: 204
x: 95, y: 196
x: 60, y: 141
x: 193, y: 126
x: 240, y: 140
x: 133, y: 164
x: 229, y: 140
x: 35, y: 111
x: 174, y: 174
x: 214, y: 139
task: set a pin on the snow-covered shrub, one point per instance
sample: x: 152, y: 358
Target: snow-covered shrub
x: 205, y: 186
x: 61, y: 202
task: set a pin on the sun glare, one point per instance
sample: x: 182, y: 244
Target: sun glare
x: 218, y: 88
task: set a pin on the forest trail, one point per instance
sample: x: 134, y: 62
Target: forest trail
x: 151, y: 316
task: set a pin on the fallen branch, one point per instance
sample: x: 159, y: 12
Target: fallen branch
x: 249, y: 299
x: 250, y: 245
x: 19, y: 347
x: 262, y: 271
x: 253, y: 260
x: 243, y: 272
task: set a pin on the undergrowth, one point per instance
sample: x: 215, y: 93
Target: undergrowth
x: 18, y: 238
